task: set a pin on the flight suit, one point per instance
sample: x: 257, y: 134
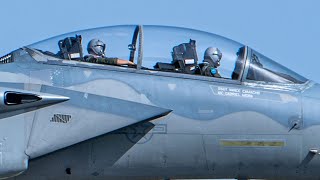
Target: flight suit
x: 208, y: 70
x: 100, y: 60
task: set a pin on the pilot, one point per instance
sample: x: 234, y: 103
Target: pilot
x: 96, y: 49
x: 211, y: 61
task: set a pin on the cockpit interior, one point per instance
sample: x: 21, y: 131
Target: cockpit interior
x: 169, y: 50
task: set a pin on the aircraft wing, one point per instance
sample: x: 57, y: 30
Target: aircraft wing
x: 83, y: 117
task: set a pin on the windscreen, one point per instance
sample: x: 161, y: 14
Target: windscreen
x: 262, y: 68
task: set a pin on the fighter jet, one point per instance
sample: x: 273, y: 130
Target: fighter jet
x: 160, y: 116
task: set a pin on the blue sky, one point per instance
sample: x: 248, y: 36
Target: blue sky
x: 287, y: 31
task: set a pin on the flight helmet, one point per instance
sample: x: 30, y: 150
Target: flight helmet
x: 212, y: 56
x: 96, y: 47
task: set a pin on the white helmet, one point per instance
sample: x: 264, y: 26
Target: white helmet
x: 96, y: 47
x: 212, y: 56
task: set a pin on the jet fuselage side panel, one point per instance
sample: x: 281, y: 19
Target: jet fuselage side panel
x: 215, y: 129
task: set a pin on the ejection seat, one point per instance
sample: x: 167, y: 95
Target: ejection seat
x: 71, y: 48
x: 184, y: 59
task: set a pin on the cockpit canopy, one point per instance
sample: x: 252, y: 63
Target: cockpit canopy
x: 172, y: 49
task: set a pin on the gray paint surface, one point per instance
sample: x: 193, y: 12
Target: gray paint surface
x: 122, y: 121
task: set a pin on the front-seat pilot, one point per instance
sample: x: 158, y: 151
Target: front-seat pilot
x: 96, y: 49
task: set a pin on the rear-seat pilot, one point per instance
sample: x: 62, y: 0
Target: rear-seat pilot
x: 96, y: 49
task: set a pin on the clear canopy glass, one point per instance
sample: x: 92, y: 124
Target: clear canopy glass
x: 116, y: 38
x: 159, y: 43
x: 155, y: 45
